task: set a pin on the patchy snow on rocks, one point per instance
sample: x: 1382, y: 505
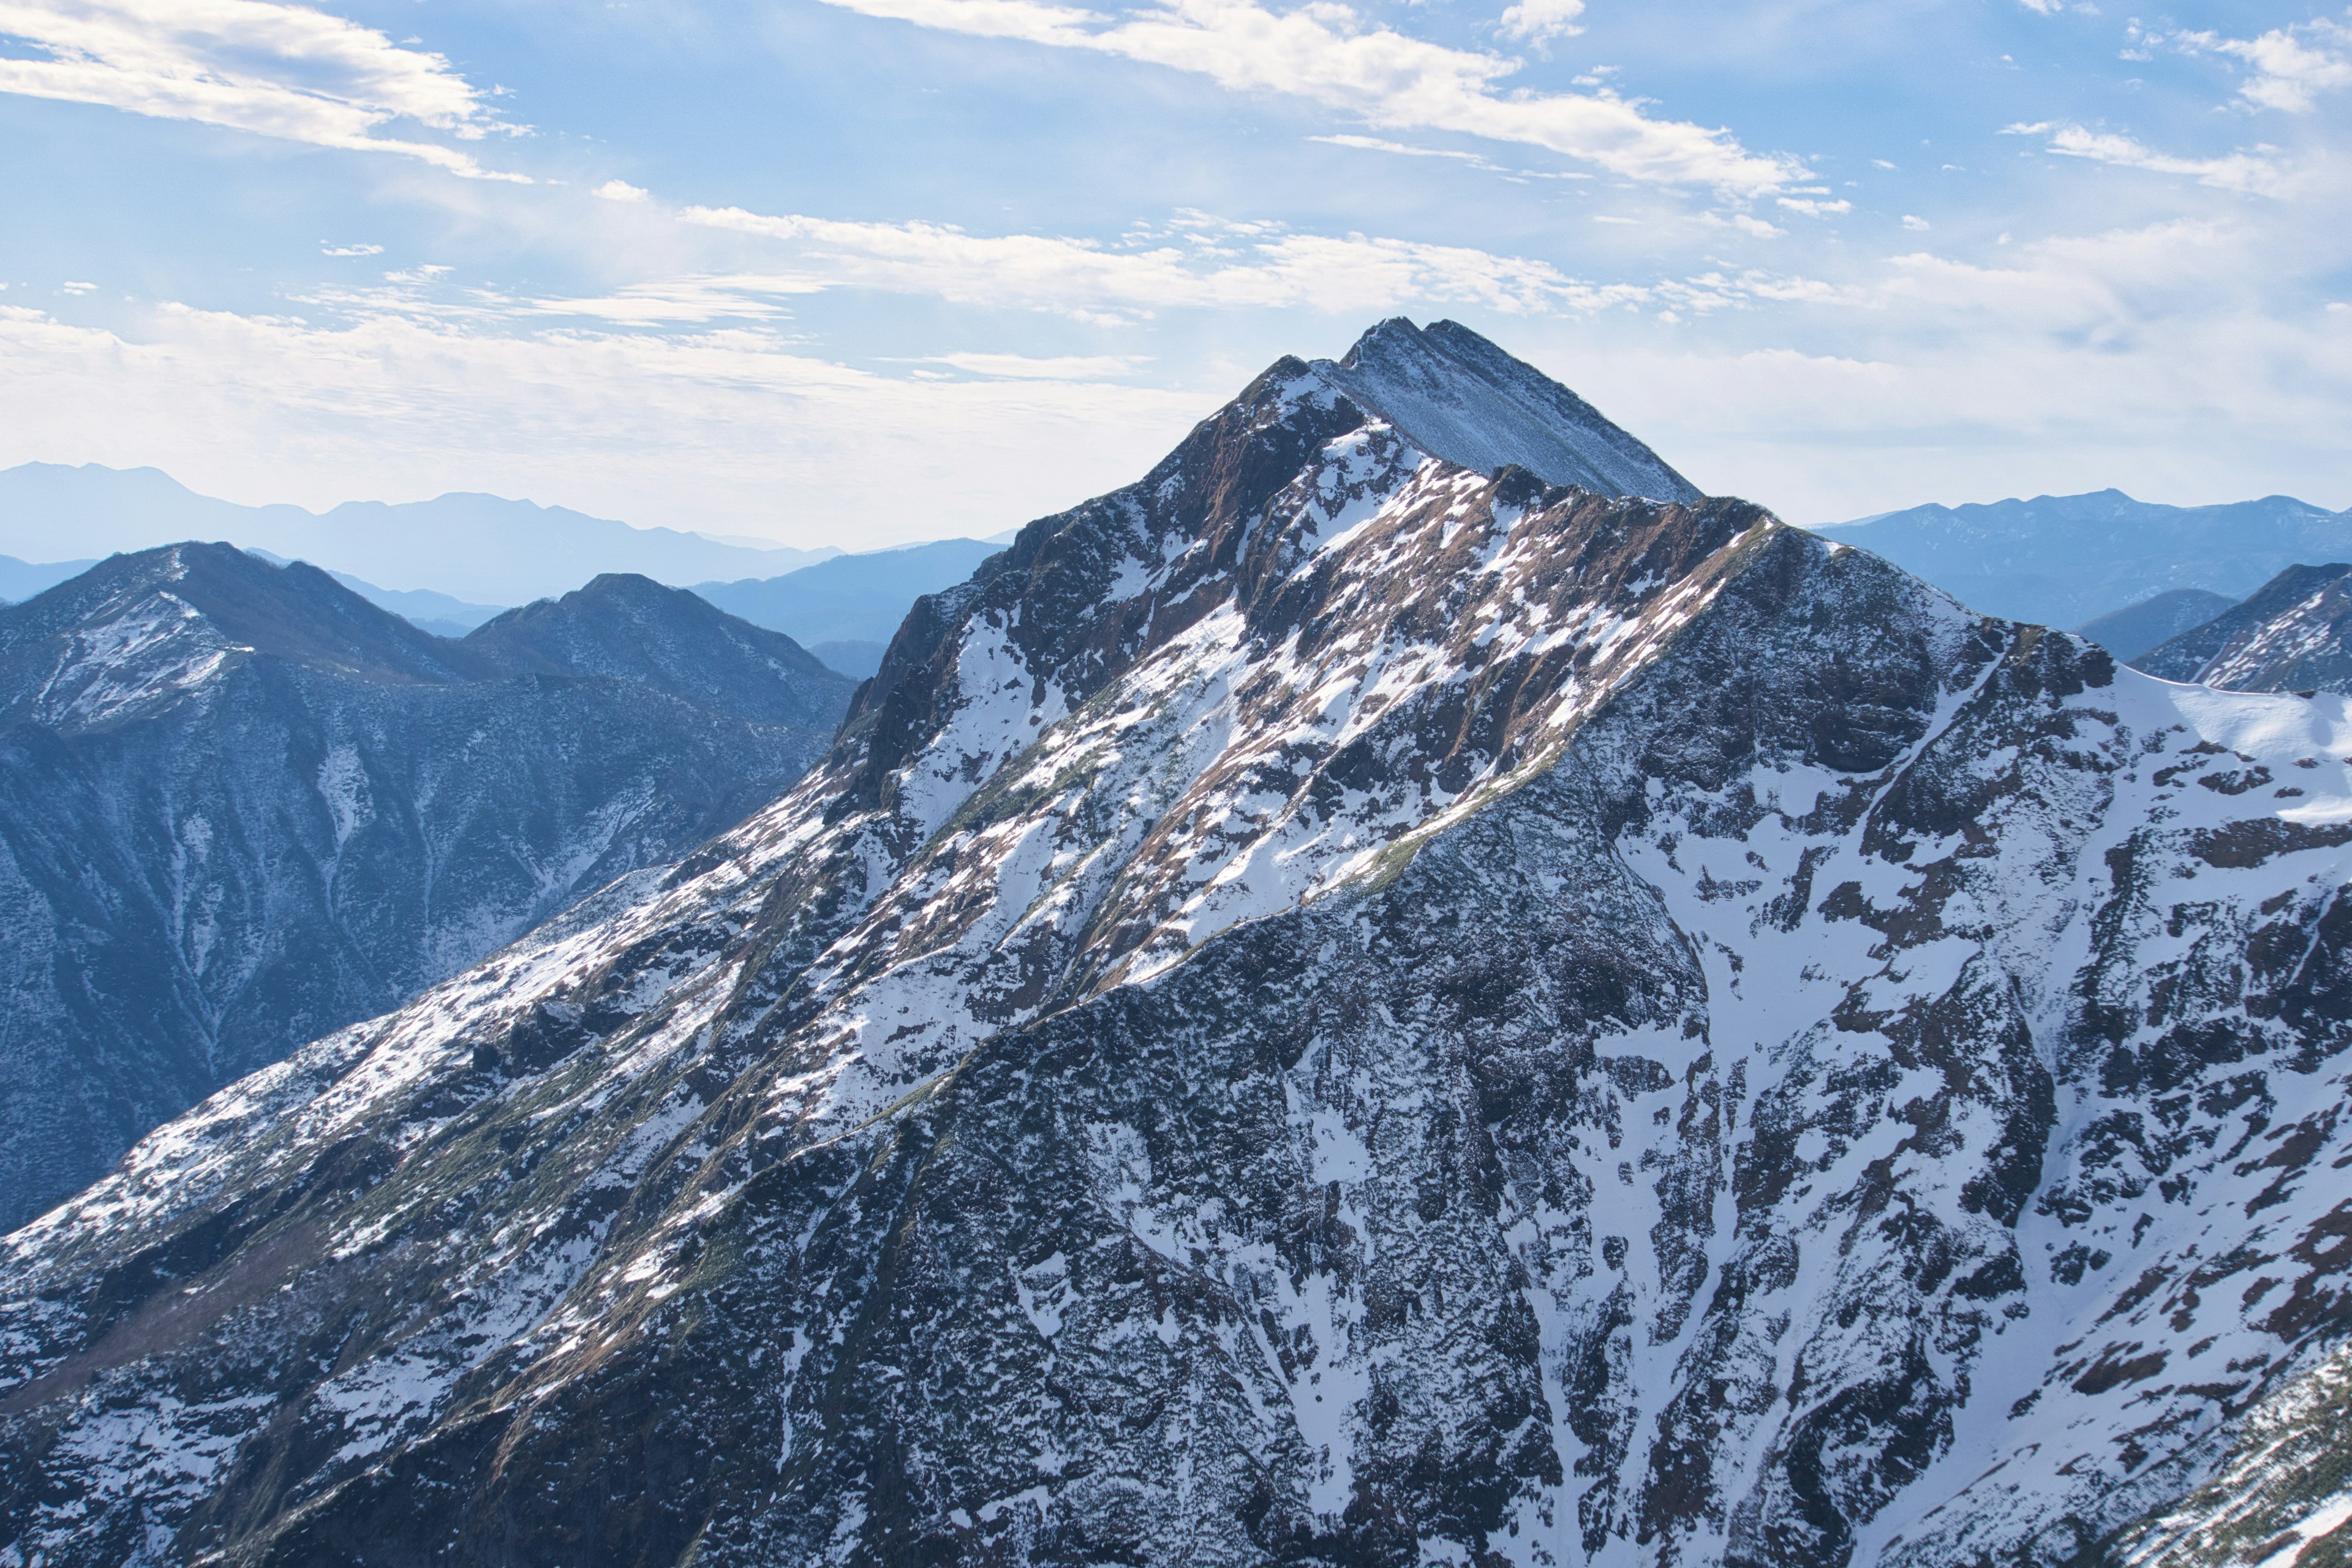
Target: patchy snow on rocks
x: 1335, y: 1006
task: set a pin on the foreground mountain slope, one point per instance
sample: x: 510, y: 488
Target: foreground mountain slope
x: 1326, y: 1008
x: 240, y: 806
x: 2064, y: 560
x: 2293, y: 634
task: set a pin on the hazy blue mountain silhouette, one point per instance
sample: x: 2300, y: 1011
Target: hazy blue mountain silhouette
x: 2066, y: 559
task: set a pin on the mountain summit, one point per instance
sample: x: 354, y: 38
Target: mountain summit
x: 1328, y: 1006
x: 1454, y: 396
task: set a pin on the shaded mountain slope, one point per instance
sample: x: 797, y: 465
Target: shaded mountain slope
x: 240, y: 806
x: 2130, y: 632
x: 1326, y: 1007
x: 632, y: 629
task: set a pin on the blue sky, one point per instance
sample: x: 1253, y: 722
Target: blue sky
x: 860, y: 271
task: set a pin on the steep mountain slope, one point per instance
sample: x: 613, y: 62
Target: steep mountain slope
x: 2133, y: 630
x: 2293, y: 634
x: 483, y: 548
x: 1326, y: 1008
x: 2062, y: 560
x: 240, y: 806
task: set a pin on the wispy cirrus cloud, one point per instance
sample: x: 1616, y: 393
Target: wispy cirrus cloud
x: 2256, y: 170
x: 1195, y: 262
x: 281, y: 70
x: 1328, y: 53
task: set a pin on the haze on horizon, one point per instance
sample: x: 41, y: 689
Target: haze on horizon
x: 854, y: 272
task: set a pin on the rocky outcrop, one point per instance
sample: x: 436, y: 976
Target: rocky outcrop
x: 1328, y: 1006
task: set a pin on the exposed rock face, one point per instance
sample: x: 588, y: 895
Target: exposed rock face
x: 2295, y: 633
x: 1329, y: 1008
x: 241, y: 806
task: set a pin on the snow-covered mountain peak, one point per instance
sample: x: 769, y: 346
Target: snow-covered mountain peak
x: 2294, y: 633
x: 140, y: 630
x: 1327, y: 1007
x: 1455, y: 395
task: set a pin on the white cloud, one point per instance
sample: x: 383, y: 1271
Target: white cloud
x: 79, y: 287
x: 2159, y: 359
x: 621, y: 191
x: 1325, y: 52
x: 1021, y: 368
x: 1912, y: 220
x: 1376, y: 145
x: 326, y: 249
x: 1220, y: 266
x: 1536, y: 21
x: 281, y: 70
x: 2291, y: 65
x: 705, y: 430
x: 2255, y: 172
x: 1814, y: 207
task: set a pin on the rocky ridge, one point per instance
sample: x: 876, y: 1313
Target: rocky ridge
x: 1330, y: 1006
x: 2293, y: 634
x: 241, y: 806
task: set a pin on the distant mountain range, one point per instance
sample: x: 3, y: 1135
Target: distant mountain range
x: 477, y: 548
x: 2062, y: 560
x: 439, y: 614
x: 23, y: 579
x: 241, y: 806
x: 850, y: 598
